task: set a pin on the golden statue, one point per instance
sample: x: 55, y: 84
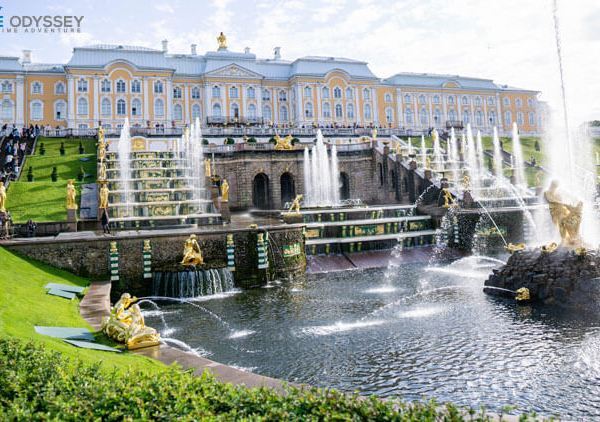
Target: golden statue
x: 224, y: 191
x: 466, y: 182
x: 566, y: 217
x: 448, y: 198
x: 2, y: 197
x: 104, y: 196
x: 512, y: 247
x: 222, y: 40
x: 71, y: 195
x: 113, y: 247
x: 192, y: 255
x: 374, y: 133
x: 100, y: 133
x: 522, y: 294
x: 207, y: 171
x: 283, y: 143
x: 295, y: 207
x: 550, y: 247
x: 427, y: 162
x: 147, y: 247
x: 125, y: 324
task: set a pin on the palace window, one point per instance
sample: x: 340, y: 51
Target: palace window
x: 266, y: 113
x: 233, y: 92
x: 159, y: 108
x: 337, y: 92
x: 349, y: 93
x: 251, y: 93
x: 216, y: 110
x: 6, y: 87
x: 491, y: 101
x: 121, y: 86
x: 252, y: 111
x: 136, y: 107
x: 437, y: 116
x: 60, y: 110
x: 195, y: 111
x: 492, y: 118
x: 36, y: 88
x: 195, y: 93
x: 307, y: 91
x: 530, y: 103
x: 388, y: 98
x: 518, y: 103
x: 389, y: 115
x: 105, y: 85
x: 423, y: 117
x: 282, y: 96
x: 266, y: 95
x: 368, y: 115
x: 105, y: 107
x: 479, y: 118
x: 520, y: 118
x: 422, y: 99
x: 177, y: 112
x: 349, y: 111
x: 177, y: 92
x: 82, y: 107
x: 158, y: 87
x: 436, y: 99
x: 366, y: 94
x: 466, y: 116
x: 407, y: 99
x: 37, y: 110
x: 121, y: 107
x: 234, y: 111
x: 506, y: 101
x: 339, y: 113
x: 59, y: 88
x: 408, y: 116
x: 531, y: 118
x: 450, y: 99
x: 325, y: 92
x: 283, y: 114
x: 478, y: 101
x: 326, y: 110
x: 6, y: 111
x: 308, y: 110
x: 136, y: 86
x: 465, y: 100
x: 216, y: 92
x: 507, y: 118
x: 451, y: 115
x: 82, y: 86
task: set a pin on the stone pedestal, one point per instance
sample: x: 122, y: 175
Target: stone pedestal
x: 225, y: 213
x: 293, y: 218
x: 72, y: 219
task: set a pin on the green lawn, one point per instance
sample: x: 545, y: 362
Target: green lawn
x: 44, y: 200
x: 24, y: 304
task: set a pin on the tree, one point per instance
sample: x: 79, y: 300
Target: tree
x: 30, y: 174
x: 54, y: 175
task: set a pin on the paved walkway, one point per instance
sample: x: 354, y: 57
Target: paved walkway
x: 96, y: 304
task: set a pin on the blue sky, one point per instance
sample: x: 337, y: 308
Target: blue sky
x: 510, y: 41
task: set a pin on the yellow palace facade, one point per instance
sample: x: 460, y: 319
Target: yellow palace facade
x: 103, y: 84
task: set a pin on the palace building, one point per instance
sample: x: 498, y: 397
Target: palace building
x: 103, y: 84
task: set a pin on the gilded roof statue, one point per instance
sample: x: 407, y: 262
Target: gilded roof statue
x: 222, y: 40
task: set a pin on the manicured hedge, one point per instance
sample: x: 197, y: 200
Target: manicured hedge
x: 37, y: 384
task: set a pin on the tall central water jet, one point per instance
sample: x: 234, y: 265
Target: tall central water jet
x: 194, y: 163
x: 472, y: 162
x: 124, y: 157
x: 498, y: 158
x: 518, y: 169
x: 321, y: 175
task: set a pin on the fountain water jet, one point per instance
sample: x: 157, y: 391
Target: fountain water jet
x: 124, y: 163
x: 321, y: 171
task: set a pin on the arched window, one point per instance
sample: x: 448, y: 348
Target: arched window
x: 308, y: 110
x: 326, y: 110
x: 451, y: 115
x: 7, y: 110
x: 307, y: 91
x: 451, y: 99
x: 436, y: 99
x: 388, y: 98
x: 337, y: 92
x: 325, y: 92
x: 37, y: 110
x: 252, y: 111
x: 507, y: 118
x: 339, y: 113
x: 251, y: 92
x: 121, y: 107
x: 368, y: 112
x: 158, y: 87
x: 177, y: 112
x: 518, y: 103
x: 283, y: 114
x: 349, y: 93
x: 408, y: 116
x: 530, y: 103
x: 266, y: 95
x: 159, y: 108
x: 136, y: 107
x: 136, y: 86
x: 282, y: 95
x: 492, y: 118
x: 82, y: 107
x: 216, y: 110
x: 478, y: 101
x: 216, y: 92
x: 287, y: 188
x: 366, y: 94
x: 105, y: 107
x: 195, y: 111
x: 423, y: 117
x: 349, y: 111
x: 422, y: 99
x: 36, y: 88
x: 177, y: 92
x: 465, y: 100
x: 491, y: 101
x: 437, y: 116
x: 531, y: 118
x: 520, y: 118
x: 479, y: 118
x: 59, y: 88
x: 195, y: 93
x: 506, y: 101
x: 266, y: 113
x: 466, y: 116
x: 407, y: 99
x: 121, y: 86
x: 6, y: 87
x: 60, y: 110
x: 234, y: 111
x: 82, y: 86
x: 105, y: 85
x: 389, y: 115
x: 233, y: 92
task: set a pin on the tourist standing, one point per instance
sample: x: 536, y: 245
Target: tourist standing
x: 105, y: 222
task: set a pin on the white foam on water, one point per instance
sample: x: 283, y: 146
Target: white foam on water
x: 457, y: 272
x: 382, y: 289
x: 167, y: 332
x: 156, y: 313
x: 295, y: 290
x: 216, y: 296
x: 245, y: 368
x: 184, y: 346
x: 340, y: 327
x: 241, y: 333
x: 420, y: 312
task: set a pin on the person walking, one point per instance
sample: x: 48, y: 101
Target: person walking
x: 105, y: 222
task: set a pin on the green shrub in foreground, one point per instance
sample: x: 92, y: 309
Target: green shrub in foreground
x: 39, y: 384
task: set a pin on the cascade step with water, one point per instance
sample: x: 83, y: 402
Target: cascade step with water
x: 192, y: 283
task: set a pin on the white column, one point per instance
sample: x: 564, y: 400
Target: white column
x: 499, y: 117
x: 318, y: 107
x: 259, y: 112
x: 357, y: 112
x: 299, y: 106
x: 186, y: 103
x: 486, y: 122
x: 416, y: 114
x: 375, y: 108
x: 430, y: 106
x: 96, y: 87
x: 275, y: 96
x: 207, y: 96
x: 146, y: 95
x: 71, y: 101
x: 399, y: 114
x: 472, y: 111
x: 169, y: 101
x: 20, y: 116
x: 444, y: 107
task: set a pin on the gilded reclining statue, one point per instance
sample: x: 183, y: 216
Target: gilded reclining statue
x: 566, y: 217
x: 192, y: 254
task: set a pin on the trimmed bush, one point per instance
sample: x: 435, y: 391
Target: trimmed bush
x: 272, y: 140
x: 42, y: 149
x: 36, y: 384
x: 295, y: 141
x: 81, y: 148
x: 537, y: 145
x: 229, y: 141
x: 81, y: 174
x: 62, y: 148
x: 251, y: 140
x: 204, y: 141
x: 54, y: 174
x: 30, y: 174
